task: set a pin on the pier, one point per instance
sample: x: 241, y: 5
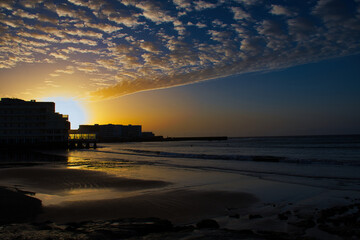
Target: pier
x: 82, y: 140
x: 221, y: 138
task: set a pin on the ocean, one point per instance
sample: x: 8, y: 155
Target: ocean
x: 171, y: 179
x: 323, y: 161
x: 256, y: 165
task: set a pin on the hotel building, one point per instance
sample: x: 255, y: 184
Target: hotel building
x: 32, y: 123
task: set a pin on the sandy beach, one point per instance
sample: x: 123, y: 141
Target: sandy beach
x: 126, y: 197
x: 103, y: 200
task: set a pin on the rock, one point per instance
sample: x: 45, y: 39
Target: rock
x: 283, y: 216
x: 306, y: 223
x: 207, y: 223
x: 151, y: 225
x: 254, y: 216
x: 236, y: 215
x: 246, y: 231
x: 187, y: 228
x: 343, y: 221
x: 274, y: 235
x: 17, y: 207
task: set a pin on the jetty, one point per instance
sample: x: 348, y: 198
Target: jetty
x: 220, y: 138
x: 82, y: 140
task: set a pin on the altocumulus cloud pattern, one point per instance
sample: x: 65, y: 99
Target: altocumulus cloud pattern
x: 128, y: 46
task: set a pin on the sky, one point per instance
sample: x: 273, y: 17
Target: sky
x: 184, y: 68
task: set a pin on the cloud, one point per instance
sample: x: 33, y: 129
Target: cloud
x: 81, y: 3
x: 84, y: 33
x: 219, y: 36
x: 281, y: 10
x: 121, y: 16
x: 107, y: 28
x: 7, y: 5
x: 30, y: 3
x: 59, y: 55
x: 272, y: 28
x: 79, y: 41
x: 108, y: 63
x: 153, y: 11
x: 51, y: 83
x: 252, y: 45
x: 239, y: 13
x: 183, y: 4
x: 21, y: 13
x: 248, y: 2
x: 67, y: 70
x: 200, y: 25
x: 129, y: 21
x: 218, y: 23
x: 38, y: 36
x: 301, y: 28
x: 201, y: 5
x: 45, y: 18
x: 131, y: 45
x: 149, y: 47
x: 14, y: 23
x: 87, y: 69
x: 63, y: 10
x: 334, y: 10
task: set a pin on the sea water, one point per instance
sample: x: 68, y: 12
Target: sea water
x: 321, y: 161
x: 272, y: 168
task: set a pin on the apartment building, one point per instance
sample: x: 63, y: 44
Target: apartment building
x: 32, y: 123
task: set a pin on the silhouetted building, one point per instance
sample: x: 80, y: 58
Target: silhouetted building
x: 112, y: 132
x: 32, y: 123
x: 147, y: 135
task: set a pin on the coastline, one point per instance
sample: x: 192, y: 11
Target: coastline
x: 178, y: 211
x: 117, y: 192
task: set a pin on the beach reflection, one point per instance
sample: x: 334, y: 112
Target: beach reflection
x: 81, y: 195
x: 60, y: 179
x: 120, y: 168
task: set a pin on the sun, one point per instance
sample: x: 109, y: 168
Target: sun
x: 71, y: 107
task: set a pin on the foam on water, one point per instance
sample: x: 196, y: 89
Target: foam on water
x: 331, y: 161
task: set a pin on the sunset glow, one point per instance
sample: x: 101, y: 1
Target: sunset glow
x: 184, y: 67
x: 76, y: 111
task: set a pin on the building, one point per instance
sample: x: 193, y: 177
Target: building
x: 112, y: 132
x: 32, y: 123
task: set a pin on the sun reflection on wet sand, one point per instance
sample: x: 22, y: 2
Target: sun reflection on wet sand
x: 80, y: 195
x: 84, y: 195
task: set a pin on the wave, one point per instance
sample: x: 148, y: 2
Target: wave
x: 331, y: 177
x: 234, y: 157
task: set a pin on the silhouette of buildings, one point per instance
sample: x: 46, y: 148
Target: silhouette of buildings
x: 111, y: 132
x: 32, y: 123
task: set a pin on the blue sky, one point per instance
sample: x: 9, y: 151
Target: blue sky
x: 311, y: 99
x: 263, y: 59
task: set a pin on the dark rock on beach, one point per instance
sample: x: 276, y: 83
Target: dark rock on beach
x: 343, y: 221
x: 305, y: 224
x: 207, y: 223
x: 254, y: 216
x: 17, y: 207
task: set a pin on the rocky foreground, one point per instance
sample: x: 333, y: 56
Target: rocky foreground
x: 18, y: 213
x: 335, y: 223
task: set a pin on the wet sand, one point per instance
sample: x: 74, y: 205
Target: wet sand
x: 178, y: 206
x: 181, y: 206
x: 247, y: 215
x: 57, y: 180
